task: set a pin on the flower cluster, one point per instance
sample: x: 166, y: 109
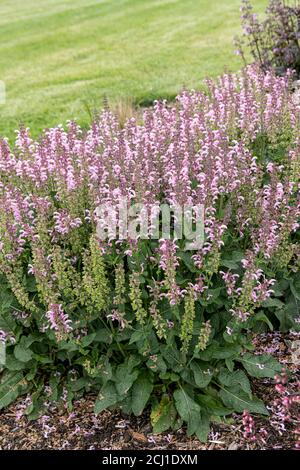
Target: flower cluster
x: 58, y: 320
x: 217, y: 147
x: 287, y: 405
x: 248, y: 426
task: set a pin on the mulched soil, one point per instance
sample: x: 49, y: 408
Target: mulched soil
x: 81, y: 429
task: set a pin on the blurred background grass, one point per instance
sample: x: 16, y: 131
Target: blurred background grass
x: 59, y: 58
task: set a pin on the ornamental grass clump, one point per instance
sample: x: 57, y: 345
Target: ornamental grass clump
x: 145, y: 322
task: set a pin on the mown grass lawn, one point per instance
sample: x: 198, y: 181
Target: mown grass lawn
x: 58, y: 58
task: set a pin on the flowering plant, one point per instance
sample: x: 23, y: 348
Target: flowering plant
x: 274, y: 42
x: 144, y: 322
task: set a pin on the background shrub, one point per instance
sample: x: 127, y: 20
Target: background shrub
x: 275, y: 41
x: 147, y: 323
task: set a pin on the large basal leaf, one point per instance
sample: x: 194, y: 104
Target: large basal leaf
x: 7, y: 323
x: 238, y: 377
x: 212, y: 405
x: 125, y: 378
x: 259, y: 318
x: 163, y: 415
x: 157, y: 364
x: 141, y: 391
x: 173, y: 357
x: 187, y: 409
x: 217, y: 351
x: 107, y: 397
x: 14, y: 364
x: 104, y: 369
x: 236, y: 399
x: 288, y: 315
x: 80, y: 384
x: 295, y: 286
x: 202, y: 374
x: 260, y: 366
x: 11, y: 387
x: 22, y: 353
x: 203, y: 426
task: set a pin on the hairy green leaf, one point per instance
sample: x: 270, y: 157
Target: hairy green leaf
x: 107, y: 397
x: 141, y: 392
x: 260, y: 366
x: 202, y: 374
x: 238, y: 400
x: 188, y: 410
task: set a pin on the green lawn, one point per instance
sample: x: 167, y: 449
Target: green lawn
x: 58, y: 58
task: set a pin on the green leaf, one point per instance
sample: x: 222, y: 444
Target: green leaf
x: 295, y: 286
x: 202, y: 374
x: 272, y: 302
x: 105, y: 370
x: 141, y: 391
x: 163, y: 415
x: 188, y: 377
x: 173, y: 357
x: 212, y: 405
x: 30, y: 339
x: 42, y: 359
x: 260, y: 317
x: 126, y: 404
x: 31, y: 284
x: 103, y: 336
x: 229, y: 364
x: 188, y: 261
x: 14, y: 364
x: 88, y: 339
x: 107, y: 397
x: 32, y: 372
x: 233, y: 261
x: 138, y: 335
x: 69, y: 346
x: 287, y: 316
x: 125, y: 375
x: 7, y: 322
x: 219, y: 351
x: 236, y: 399
x: 6, y: 300
x: 157, y: 364
x: 11, y: 387
x: 54, y: 383
x: 188, y: 410
x: 230, y: 379
x: 36, y: 408
x: 260, y: 366
x: 22, y: 353
x: 79, y: 384
x: 203, y: 427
